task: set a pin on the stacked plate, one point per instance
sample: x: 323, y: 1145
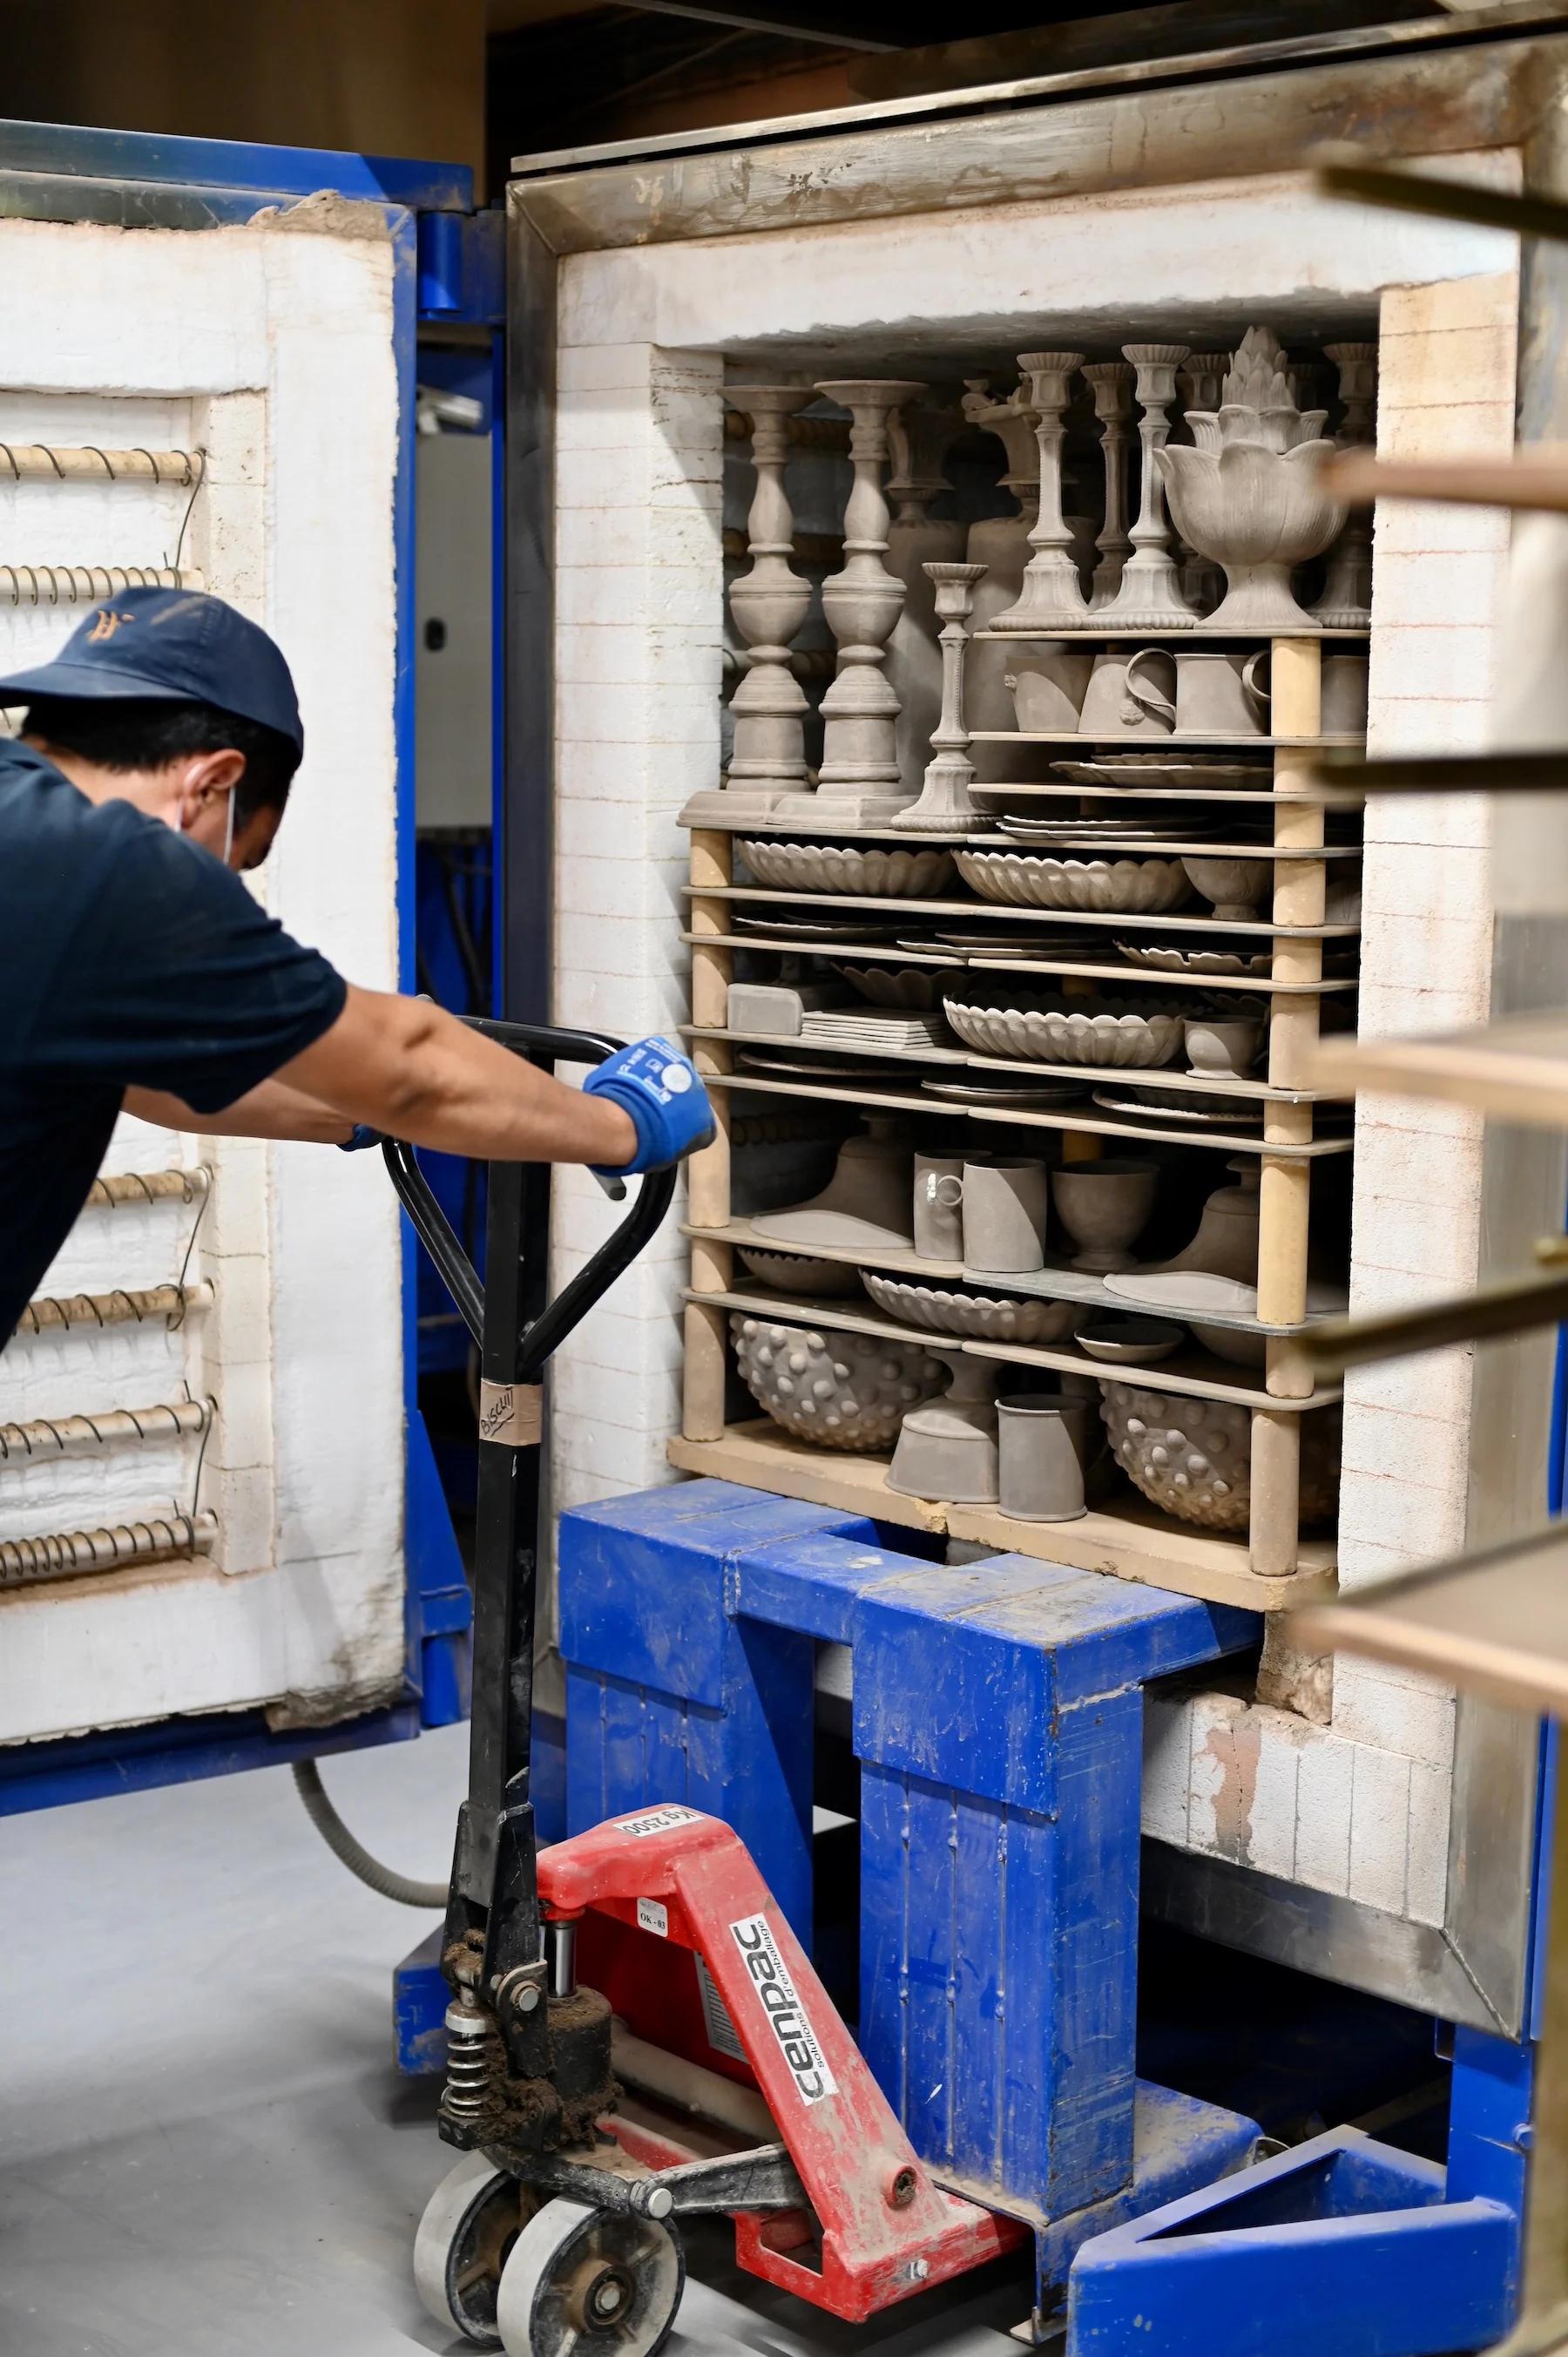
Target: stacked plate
x: 1168, y: 770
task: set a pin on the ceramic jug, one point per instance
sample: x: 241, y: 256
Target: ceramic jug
x: 1048, y: 691
x: 938, y: 1200
x: 1130, y: 695
x: 1218, y: 695
x: 1004, y: 1214
x: 1344, y: 710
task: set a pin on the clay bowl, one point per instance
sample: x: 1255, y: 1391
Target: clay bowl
x: 986, y: 1317
x: 1129, y: 1342
x: 1118, y: 886
x: 1238, y: 887
x: 911, y: 989
x: 794, y: 1273
x: 1075, y: 1031
x: 844, y: 867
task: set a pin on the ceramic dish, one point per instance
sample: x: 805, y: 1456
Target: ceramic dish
x: 808, y: 1068
x: 832, y: 930
x: 792, y: 1273
x: 996, y: 941
x: 1129, y: 1342
x: 1134, y: 887
x: 842, y: 867
x: 1182, y: 961
x: 1022, y: 1096
x: 911, y: 988
x: 1160, y: 770
x: 1178, y: 1109
x: 1086, y: 1032
x: 960, y: 1310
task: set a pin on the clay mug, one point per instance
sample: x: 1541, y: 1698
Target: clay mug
x: 1130, y: 695
x: 1344, y: 708
x: 1047, y: 694
x: 1042, y: 1441
x: 1005, y: 1212
x: 1219, y: 695
x: 939, y: 1199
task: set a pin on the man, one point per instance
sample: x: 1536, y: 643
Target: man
x: 137, y: 971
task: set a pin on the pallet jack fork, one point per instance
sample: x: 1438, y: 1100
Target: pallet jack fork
x: 555, y: 2233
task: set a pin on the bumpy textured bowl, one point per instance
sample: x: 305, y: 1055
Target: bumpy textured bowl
x: 843, y: 867
x: 843, y: 1391
x: 1194, y: 1458
x: 1102, y: 1031
x: 982, y: 1315
x: 794, y: 1273
x: 1119, y: 886
x: 908, y: 987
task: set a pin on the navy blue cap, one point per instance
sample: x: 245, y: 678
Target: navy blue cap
x: 180, y: 645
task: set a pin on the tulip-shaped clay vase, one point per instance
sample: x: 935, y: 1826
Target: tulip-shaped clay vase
x: 1247, y: 494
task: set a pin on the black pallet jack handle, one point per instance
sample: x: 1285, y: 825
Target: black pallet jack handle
x: 493, y: 1900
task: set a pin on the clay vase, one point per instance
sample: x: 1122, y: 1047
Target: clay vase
x: 1225, y: 1243
x: 1218, y: 695
x: 1042, y: 1442
x: 1221, y: 1048
x: 1130, y: 695
x: 1048, y: 691
x: 947, y: 1449
x: 1344, y: 709
x: 1237, y: 887
x: 1104, y: 1206
x: 1005, y: 1214
x: 866, y: 1202
x: 938, y: 1206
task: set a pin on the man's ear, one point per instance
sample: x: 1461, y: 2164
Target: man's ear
x: 206, y: 778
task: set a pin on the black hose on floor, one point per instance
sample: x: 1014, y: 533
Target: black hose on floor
x: 384, y: 1879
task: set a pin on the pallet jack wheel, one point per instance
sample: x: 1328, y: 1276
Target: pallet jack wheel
x: 590, y: 2283
x: 471, y: 2225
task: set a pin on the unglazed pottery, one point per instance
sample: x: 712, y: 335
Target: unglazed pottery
x: 1069, y: 1031
x: 1048, y: 691
x: 919, y: 434
x: 791, y: 1272
x: 1052, y: 595
x: 947, y: 1449
x: 1248, y: 492
x: 911, y: 989
x: 865, y: 1202
x: 1220, y: 1048
x: 1130, y: 694
x: 1129, y: 1342
x: 1193, y: 1458
x: 1221, y: 694
x: 769, y: 602
x: 1125, y: 886
x: 1004, y: 1214
x: 1042, y: 1444
x: 944, y: 806
x: 1150, y: 593
x: 1172, y: 769
x: 1104, y: 1205
x: 938, y: 1206
x: 1237, y: 887
x: 1181, y: 960
x: 1111, y: 382
x: 982, y: 1317
x: 1001, y: 545
x: 843, y: 1391
x: 1344, y: 705
x: 1225, y: 1243
x: 844, y: 868
x: 1347, y: 600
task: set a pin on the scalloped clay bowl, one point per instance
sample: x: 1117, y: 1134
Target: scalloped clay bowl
x: 1117, y: 887
x: 842, y: 867
x: 792, y: 1273
x: 1104, y: 1031
x: 985, y: 1316
x: 841, y: 1390
x: 909, y: 988
x: 1193, y: 1458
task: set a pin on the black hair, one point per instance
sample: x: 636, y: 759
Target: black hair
x: 137, y: 732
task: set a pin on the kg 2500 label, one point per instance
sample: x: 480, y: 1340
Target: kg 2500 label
x: 786, y: 2017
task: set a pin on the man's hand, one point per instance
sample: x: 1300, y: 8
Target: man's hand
x: 661, y: 1090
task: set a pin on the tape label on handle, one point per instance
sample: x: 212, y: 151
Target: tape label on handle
x: 512, y: 1414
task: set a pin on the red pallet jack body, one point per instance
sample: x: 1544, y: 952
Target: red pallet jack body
x: 878, y: 2229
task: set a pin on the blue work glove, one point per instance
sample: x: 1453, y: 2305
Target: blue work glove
x: 659, y: 1088
x: 358, y: 1137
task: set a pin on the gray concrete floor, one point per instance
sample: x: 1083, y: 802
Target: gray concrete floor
x: 205, y: 2151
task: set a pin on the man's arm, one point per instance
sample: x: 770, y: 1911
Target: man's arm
x: 270, y: 1110
x: 405, y: 1066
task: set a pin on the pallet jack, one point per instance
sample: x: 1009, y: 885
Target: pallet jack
x: 589, y: 2120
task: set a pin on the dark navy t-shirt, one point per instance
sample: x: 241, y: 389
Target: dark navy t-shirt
x: 129, y: 958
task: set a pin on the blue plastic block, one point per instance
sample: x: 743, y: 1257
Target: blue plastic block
x: 1178, y: 2146
x: 420, y: 1998
x: 1342, y: 2245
